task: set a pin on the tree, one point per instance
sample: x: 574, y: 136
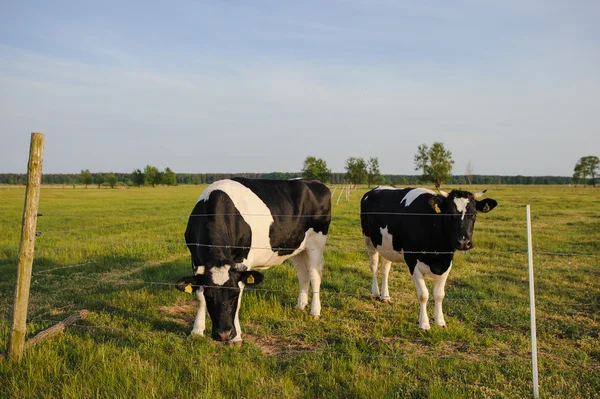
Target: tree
x: 316, y: 168
x: 152, y: 175
x: 580, y: 172
x: 593, y: 164
x: 587, y: 166
x: 373, y: 174
x: 111, y: 179
x: 99, y: 179
x: 356, y: 170
x: 435, y: 162
x: 169, y: 177
x: 469, y: 172
x: 85, y: 177
x: 138, y: 178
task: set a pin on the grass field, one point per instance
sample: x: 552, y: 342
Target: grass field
x: 116, y: 253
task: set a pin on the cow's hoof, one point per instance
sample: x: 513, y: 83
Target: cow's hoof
x: 197, y: 333
x: 316, y: 317
x: 386, y: 300
x: 440, y: 324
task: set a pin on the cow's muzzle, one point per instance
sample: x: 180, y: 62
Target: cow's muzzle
x: 463, y: 245
x: 223, y: 335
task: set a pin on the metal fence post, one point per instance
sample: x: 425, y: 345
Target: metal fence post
x: 534, y: 362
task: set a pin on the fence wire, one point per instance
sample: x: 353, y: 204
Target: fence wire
x: 295, y: 216
x: 361, y: 293
x: 328, y: 248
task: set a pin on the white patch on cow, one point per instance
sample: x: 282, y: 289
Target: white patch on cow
x: 426, y: 271
x: 386, y: 249
x: 387, y: 188
x: 236, y: 320
x: 413, y: 194
x: 200, y: 321
x: 200, y: 270
x: 461, y: 205
x: 220, y: 275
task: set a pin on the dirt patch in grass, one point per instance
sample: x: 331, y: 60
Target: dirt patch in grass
x: 276, y: 347
x: 181, y: 312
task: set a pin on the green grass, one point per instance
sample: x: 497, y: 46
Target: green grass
x: 116, y: 253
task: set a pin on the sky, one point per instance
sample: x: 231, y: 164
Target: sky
x: 512, y: 86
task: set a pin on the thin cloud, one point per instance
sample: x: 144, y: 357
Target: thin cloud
x: 258, y: 87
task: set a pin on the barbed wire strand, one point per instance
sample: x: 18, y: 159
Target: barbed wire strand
x: 345, y: 214
x: 295, y: 292
x: 362, y: 250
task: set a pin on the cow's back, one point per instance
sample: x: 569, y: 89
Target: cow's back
x: 308, y: 201
x: 243, y: 220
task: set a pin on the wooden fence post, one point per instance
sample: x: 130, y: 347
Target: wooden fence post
x: 26, y: 247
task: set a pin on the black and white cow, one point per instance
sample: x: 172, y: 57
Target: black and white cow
x: 423, y: 229
x: 240, y: 225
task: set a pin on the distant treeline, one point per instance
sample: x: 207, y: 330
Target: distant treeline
x: 336, y: 178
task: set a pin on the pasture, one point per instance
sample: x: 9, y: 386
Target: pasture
x: 117, y: 253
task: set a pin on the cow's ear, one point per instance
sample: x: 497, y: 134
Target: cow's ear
x: 437, y: 203
x: 486, y: 205
x: 252, y: 277
x: 189, y: 284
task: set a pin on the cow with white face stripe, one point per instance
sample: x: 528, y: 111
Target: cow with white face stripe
x: 240, y: 225
x: 423, y: 229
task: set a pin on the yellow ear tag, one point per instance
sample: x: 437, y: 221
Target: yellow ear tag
x: 250, y: 279
x: 486, y: 208
x: 188, y: 289
x: 436, y: 208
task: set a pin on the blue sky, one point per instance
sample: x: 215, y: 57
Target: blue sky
x: 256, y: 86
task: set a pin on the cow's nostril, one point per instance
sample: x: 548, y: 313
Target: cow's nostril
x: 463, y: 244
x: 225, y: 335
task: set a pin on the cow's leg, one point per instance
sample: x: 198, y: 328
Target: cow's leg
x: 423, y: 296
x: 438, y: 296
x: 236, y: 320
x: 301, y: 264
x: 373, y: 262
x: 386, y: 265
x: 315, y: 245
x: 200, y: 322
x: 316, y: 262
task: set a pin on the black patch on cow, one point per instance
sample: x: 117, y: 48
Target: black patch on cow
x: 216, y: 233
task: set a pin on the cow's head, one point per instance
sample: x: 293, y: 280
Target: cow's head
x: 461, y: 207
x: 221, y: 286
